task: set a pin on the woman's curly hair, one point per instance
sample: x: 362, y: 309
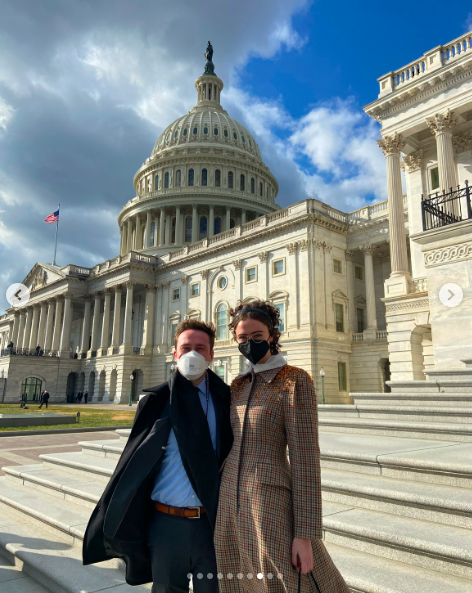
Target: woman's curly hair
x: 268, y: 308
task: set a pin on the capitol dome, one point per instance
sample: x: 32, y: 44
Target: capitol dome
x: 205, y: 176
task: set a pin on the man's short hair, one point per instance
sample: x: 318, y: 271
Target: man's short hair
x: 195, y: 324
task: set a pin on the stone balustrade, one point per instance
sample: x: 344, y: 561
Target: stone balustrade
x: 431, y: 61
x: 379, y: 335
x: 417, y: 285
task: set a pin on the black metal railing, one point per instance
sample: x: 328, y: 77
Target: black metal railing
x: 439, y: 210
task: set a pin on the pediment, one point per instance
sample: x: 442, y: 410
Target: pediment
x: 338, y: 294
x: 360, y: 301
x: 41, y: 275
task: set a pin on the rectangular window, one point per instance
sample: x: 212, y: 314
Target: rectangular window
x: 251, y: 274
x: 173, y: 329
x: 220, y: 371
x: 434, y: 178
x: 339, y: 314
x: 358, y: 273
x: 342, y: 377
x: 278, y: 267
x: 281, y: 308
x: 360, y: 320
x: 337, y: 266
x: 195, y: 289
x: 176, y: 294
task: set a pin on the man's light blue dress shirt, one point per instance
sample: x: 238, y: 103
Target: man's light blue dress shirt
x: 172, y: 485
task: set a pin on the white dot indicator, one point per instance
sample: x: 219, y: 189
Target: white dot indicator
x: 239, y: 575
x: 270, y: 575
x: 250, y: 575
x: 219, y: 575
x: 280, y: 576
x: 230, y: 575
x: 210, y: 575
x: 200, y: 575
x: 18, y: 295
x: 260, y: 575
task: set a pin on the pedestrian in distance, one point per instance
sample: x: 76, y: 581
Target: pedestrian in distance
x: 37, y: 349
x: 45, y: 399
x: 268, y: 530
x: 158, y: 511
x: 85, y: 397
x: 79, y: 397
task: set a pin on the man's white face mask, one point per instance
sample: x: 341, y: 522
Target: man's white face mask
x: 192, y: 365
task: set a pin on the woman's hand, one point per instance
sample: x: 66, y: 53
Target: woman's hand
x: 302, y: 553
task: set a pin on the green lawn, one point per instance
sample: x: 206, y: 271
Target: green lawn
x: 89, y: 417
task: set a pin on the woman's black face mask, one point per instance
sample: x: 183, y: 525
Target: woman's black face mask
x: 254, y: 351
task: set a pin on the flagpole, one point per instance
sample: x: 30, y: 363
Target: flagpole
x: 55, y: 246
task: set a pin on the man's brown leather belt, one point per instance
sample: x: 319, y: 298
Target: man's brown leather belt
x: 187, y: 512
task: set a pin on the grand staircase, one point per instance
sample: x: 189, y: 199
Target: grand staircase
x: 397, y: 500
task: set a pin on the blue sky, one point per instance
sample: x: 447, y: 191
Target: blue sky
x: 86, y: 87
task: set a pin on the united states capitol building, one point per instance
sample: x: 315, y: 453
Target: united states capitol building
x: 358, y: 292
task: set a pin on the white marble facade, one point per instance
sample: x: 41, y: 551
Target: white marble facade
x: 357, y: 291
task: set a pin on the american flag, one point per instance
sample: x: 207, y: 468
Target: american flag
x: 52, y: 217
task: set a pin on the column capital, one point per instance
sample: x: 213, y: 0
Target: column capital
x: 322, y: 245
x: 292, y: 247
x: 150, y: 287
x: 391, y: 144
x: 462, y: 141
x: 107, y: 291
x: 349, y: 255
x: 368, y: 249
x: 413, y: 162
x: 165, y: 285
x: 117, y: 287
x: 184, y: 280
x: 384, y: 256
x: 237, y: 264
x: 303, y: 245
x: 204, y: 274
x: 129, y: 285
x: 442, y: 122
x: 88, y: 298
x: 263, y: 255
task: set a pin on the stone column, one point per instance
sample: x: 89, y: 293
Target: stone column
x: 237, y: 279
x: 211, y: 221
x: 86, y: 324
x: 398, y: 281
x: 115, y: 336
x: 27, y: 333
x: 162, y: 215
x: 204, y: 297
x: 178, y: 230
x: 263, y: 256
x: 21, y: 329
x: 158, y: 326
x: 121, y: 239
x: 34, y: 328
x: 292, y: 313
x: 128, y: 318
x: 130, y: 235
x: 194, y: 223
x: 165, y: 315
x: 42, y: 324
x: 57, y: 324
x: 148, y: 319
x: 156, y: 229
x: 137, y: 241
x: 368, y: 250
x: 168, y: 230
x: 49, y: 326
x: 66, y: 325
x: 95, y: 322
x: 148, y: 228
x: 228, y: 218
x: 14, y: 333
x: 350, y: 291
x: 243, y: 217
x: 441, y: 126
x: 105, y: 324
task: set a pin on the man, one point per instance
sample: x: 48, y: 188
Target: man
x: 158, y: 511
x: 86, y: 397
x: 44, y: 399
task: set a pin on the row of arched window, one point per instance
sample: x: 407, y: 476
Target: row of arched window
x: 206, y: 131
x: 204, y: 181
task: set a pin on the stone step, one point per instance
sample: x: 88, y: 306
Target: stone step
x: 87, y: 466
x: 420, y: 460
x: 56, y: 482
x: 112, y: 449
x: 14, y: 580
x: 431, y: 502
x: 365, y: 573
x: 444, y: 414
x: 54, y: 562
x: 449, y: 400
x: 123, y: 433
x: 438, y: 431
x: 457, y: 381
x: 444, y: 548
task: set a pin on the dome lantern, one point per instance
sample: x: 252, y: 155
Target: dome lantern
x: 209, y: 86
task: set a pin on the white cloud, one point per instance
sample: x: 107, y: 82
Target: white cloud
x: 6, y: 114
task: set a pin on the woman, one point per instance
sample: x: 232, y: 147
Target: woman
x: 268, y: 533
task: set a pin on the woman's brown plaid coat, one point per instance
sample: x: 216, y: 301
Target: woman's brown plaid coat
x: 265, y: 501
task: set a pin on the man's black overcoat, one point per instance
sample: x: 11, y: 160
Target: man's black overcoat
x: 118, y: 526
